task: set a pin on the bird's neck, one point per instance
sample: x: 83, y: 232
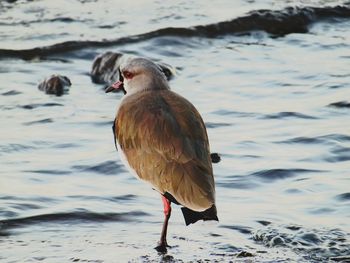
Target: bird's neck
x: 154, y: 84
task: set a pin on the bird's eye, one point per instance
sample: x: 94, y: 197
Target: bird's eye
x: 128, y: 74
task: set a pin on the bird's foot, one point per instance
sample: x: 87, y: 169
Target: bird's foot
x: 162, y: 247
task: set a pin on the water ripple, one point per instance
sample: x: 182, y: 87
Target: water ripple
x: 275, y: 22
x: 237, y: 182
x: 49, y: 172
x: 241, y: 229
x: 106, y: 168
x: 37, y: 105
x: 329, y: 138
x: 127, y: 197
x: 41, y: 121
x: 340, y: 104
x: 338, y: 154
x: 345, y: 197
x: 235, y: 113
x: 11, y: 93
x: 277, y: 174
x: 287, y: 114
x: 71, y: 217
x: 212, y: 125
x: 316, y: 245
x: 15, y: 147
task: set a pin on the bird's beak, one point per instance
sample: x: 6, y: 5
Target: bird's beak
x: 116, y: 86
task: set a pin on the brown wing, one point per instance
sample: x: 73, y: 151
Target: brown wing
x: 164, y: 140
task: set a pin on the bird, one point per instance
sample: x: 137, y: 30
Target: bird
x: 162, y: 139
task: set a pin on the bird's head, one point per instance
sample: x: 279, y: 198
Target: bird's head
x: 139, y: 74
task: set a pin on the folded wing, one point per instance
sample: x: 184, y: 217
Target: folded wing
x: 164, y: 140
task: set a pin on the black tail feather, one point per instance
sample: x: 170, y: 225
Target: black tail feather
x: 193, y: 216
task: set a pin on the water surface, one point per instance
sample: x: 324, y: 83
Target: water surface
x: 273, y: 89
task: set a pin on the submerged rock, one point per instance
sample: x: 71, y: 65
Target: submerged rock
x: 244, y: 254
x: 56, y: 84
x: 105, y: 68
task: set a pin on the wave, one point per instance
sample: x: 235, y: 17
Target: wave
x: 37, y: 105
x: 11, y: 93
x: 213, y: 125
x: 241, y: 229
x: 38, y: 21
x: 340, y: 105
x: 106, y: 168
x: 78, y: 216
x: 324, y: 139
x: 41, y: 121
x: 256, y: 179
x: 345, y: 197
x: 277, y: 174
x: 237, y: 182
x: 278, y: 115
x: 277, y: 23
x: 314, y: 245
x: 287, y: 114
x: 310, y: 244
x: 49, y: 172
x: 338, y: 154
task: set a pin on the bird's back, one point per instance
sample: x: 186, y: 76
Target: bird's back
x: 165, y: 142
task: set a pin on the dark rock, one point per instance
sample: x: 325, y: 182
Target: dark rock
x: 56, y: 84
x: 244, y: 254
x: 215, y: 157
x: 105, y: 68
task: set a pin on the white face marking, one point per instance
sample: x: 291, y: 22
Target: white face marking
x: 138, y: 82
x: 141, y: 74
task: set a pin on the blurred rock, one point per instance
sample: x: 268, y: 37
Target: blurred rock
x: 56, y: 84
x: 105, y: 68
x: 215, y: 157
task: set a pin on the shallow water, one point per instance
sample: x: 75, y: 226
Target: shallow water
x: 276, y: 105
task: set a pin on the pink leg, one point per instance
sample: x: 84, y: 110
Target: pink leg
x: 162, y: 245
